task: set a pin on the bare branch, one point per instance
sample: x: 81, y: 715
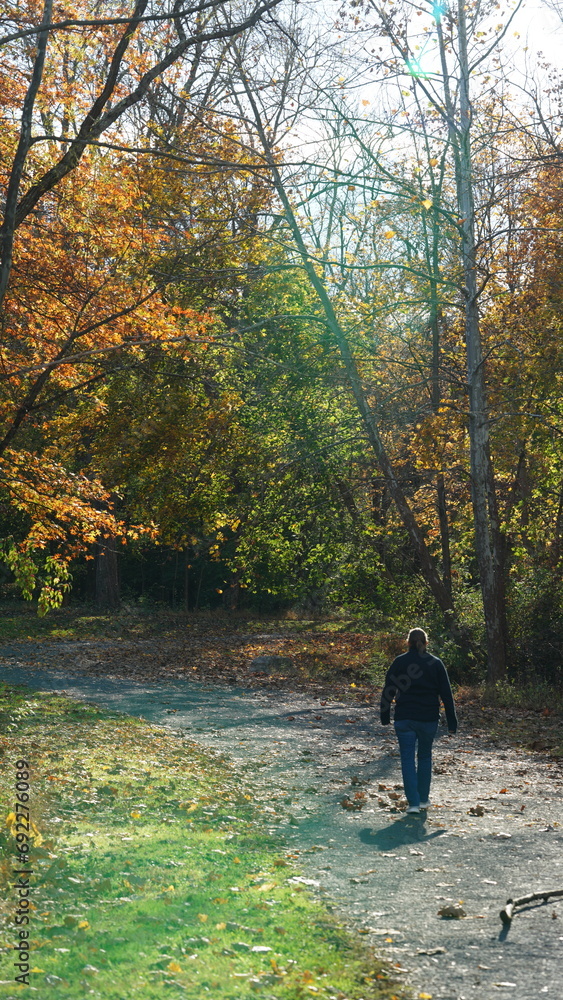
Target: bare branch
x: 8, y: 226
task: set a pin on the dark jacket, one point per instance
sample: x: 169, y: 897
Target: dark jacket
x: 417, y: 682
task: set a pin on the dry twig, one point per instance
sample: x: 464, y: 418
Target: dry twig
x: 507, y: 913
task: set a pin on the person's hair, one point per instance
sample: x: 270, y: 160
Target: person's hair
x: 417, y: 639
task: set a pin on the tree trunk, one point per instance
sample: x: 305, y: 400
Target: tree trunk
x: 441, y: 496
x: 187, y: 567
x: 444, y: 533
x: 488, y: 542
x: 556, y: 548
x: 107, y: 576
x: 8, y: 227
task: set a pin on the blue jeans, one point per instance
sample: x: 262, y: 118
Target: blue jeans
x: 416, y: 780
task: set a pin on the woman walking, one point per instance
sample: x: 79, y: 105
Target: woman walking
x: 417, y: 681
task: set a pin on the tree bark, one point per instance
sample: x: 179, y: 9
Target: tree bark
x: 107, y: 574
x: 441, y: 496
x: 444, y: 533
x: 9, y: 222
x: 558, y: 531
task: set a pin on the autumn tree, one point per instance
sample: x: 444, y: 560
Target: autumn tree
x: 80, y: 241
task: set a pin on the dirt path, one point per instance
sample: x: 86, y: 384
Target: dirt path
x: 386, y: 873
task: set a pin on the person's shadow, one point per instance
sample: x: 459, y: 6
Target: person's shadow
x: 407, y: 830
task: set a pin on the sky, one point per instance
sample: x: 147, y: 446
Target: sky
x: 542, y: 29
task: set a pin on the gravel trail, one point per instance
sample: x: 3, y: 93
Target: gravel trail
x: 387, y: 874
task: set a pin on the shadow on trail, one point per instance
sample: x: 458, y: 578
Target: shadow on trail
x: 410, y: 830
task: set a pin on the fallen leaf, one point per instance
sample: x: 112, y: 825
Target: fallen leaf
x: 451, y: 912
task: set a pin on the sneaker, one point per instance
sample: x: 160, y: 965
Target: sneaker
x: 414, y: 810
x: 425, y: 805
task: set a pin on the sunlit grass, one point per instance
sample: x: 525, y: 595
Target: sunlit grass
x: 155, y: 873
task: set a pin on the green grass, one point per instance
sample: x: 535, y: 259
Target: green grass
x: 155, y: 875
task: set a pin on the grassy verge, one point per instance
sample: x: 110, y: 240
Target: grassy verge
x: 154, y: 874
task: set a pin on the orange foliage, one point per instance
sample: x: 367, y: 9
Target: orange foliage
x: 94, y: 257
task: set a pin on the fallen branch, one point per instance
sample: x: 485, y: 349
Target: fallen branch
x: 507, y: 914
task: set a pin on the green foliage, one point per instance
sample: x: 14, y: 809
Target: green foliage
x: 33, y: 570
x: 22, y: 565
x: 536, y: 628
x: 535, y: 695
